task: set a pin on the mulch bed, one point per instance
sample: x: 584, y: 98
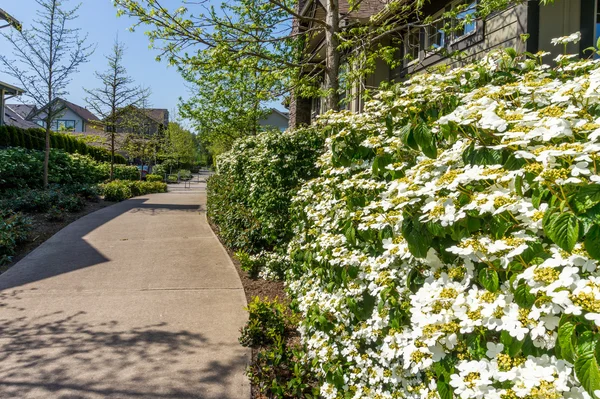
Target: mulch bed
x: 259, y: 287
x: 43, y: 229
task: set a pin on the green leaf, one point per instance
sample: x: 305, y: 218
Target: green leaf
x: 565, y: 340
x: 586, y: 198
x: 523, y: 297
x: 482, y: 156
x: 425, y: 140
x: 499, y: 225
x: 445, y: 390
x: 389, y: 124
x: 415, y: 280
x: 592, y: 242
x: 563, y: 229
x: 417, y: 237
x: 512, y: 346
x: 489, y: 279
x: 586, y: 366
x: 514, y: 163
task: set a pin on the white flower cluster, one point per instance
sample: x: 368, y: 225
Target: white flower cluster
x: 434, y: 277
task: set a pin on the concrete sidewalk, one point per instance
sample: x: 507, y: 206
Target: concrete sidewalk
x: 137, y: 300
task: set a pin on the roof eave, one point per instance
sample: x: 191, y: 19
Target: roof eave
x: 11, y: 20
x: 11, y: 90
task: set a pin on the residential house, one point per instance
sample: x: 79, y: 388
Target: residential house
x: 72, y: 117
x: 7, y: 117
x: 151, y: 120
x: 275, y: 119
x: 422, y: 47
x: 13, y: 117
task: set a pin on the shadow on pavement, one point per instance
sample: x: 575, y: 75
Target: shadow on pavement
x: 63, y: 356
x: 67, y: 251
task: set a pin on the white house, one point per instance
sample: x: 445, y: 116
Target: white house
x: 72, y: 117
x: 275, y: 119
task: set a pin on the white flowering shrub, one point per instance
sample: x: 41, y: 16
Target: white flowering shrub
x: 450, y: 246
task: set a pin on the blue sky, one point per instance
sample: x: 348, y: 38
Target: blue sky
x: 98, y: 19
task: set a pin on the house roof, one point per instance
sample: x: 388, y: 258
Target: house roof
x: 23, y: 110
x: 159, y: 115
x: 285, y: 115
x: 82, y: 112
x: 4, y: 16
x: 365, y: 9
x: 13, y: 118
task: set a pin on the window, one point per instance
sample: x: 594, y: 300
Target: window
x: 68, y: 125
x: 411, y: 47
x: 465, y: 22
x: 316, y: 107
x: 436, y: 35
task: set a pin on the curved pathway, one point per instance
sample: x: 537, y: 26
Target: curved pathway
x: 137, y: 300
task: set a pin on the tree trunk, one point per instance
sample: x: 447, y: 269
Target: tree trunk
x: 332, y: 57
x: 112, y: 155
x: 47, y: 156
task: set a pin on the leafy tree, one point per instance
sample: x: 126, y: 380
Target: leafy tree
x: 46, y: 57
x: 227, y: 103
x: 180, y: 145
x: 274, y: 33
x: 115, y: 97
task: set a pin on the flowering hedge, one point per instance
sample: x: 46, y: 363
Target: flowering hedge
x: 250, y: 195
x: 450, y: 246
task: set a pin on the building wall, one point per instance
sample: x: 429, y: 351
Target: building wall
x: 66, y: 115
x: 499, y: 31
x: 559, y: 19
x: 274, y: 120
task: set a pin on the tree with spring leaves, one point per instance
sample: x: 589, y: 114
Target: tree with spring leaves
x: 46, y: 57
x: 114, y: 97
x: 226, y: 104
x: 277, y: 34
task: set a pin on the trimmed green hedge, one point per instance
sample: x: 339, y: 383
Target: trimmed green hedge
x: 120, y: 190
x: 34, y: 139
x: 22, y: 168
x: 250, y: 195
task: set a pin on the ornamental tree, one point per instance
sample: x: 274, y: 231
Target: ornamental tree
x: 46, y: 57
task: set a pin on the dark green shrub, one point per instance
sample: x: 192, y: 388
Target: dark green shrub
x: 266, y: 323
x: 154, y: 178
x: 119, y: 190
x: 20, y: 168
x: 185, y: 174
x: 89, y: 192
x: 116, y: 191
x: 250, y: 264
x: 11, y: 136
x: 121, y: 172
x: 172, y: 179
x: 55, y: 214
x: 282, y: 371
x: 38, y: 200
x: 70, y: 203
x: 250, y: 195
x: 4, y: 139
x: 14, y: 229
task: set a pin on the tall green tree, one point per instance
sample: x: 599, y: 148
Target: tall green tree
x: 226, y: 103
x: 115, y: 97
x: 180, y: 145
x: 46, y: 57
x: 275, y: 32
